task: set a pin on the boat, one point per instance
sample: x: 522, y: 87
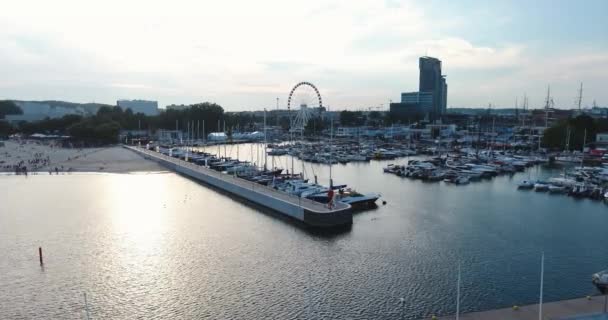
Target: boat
x: 541, y: 186
x: 579, y: 190
x: 557, y: 189
x: 391, y: 168
x: 277, y: 152
x: 358, y: 158
x: 462, y: 180
x: 600, y: 281
x: 357, y: 200
x: 526, y: 184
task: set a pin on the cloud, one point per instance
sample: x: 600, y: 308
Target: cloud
x: 244, y: 54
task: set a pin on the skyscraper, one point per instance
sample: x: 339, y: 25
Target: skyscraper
x: 431, y: 80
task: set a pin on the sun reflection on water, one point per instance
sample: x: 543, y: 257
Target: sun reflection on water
x: 138, y: 214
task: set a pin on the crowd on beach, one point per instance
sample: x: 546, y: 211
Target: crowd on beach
x: 24, y: 161
x: 35, y: 156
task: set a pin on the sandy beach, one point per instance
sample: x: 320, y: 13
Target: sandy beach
x: 42, y: 157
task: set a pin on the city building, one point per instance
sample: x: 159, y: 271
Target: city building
x: 601, y: 137
x: 37, y: 111
x: 421, y: 98
x: 413, y: 105
x: 431, y: 80
x: 149, y: 108
x: 430, y: 101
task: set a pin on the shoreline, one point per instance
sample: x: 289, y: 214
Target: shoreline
x: 45, y: 158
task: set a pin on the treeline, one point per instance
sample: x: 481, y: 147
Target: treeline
x: 105, y: 126
x: 9, y: 107
x: 359, y: 118
x: 556, y: 136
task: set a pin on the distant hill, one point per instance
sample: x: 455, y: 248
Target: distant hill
x: 88, y: 108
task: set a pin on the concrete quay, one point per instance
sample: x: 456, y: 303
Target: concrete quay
x: 587, y: 308
x: 311, y: 213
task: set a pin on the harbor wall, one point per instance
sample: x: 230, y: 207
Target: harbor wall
x: 255, y: 193
x: 252, y: 194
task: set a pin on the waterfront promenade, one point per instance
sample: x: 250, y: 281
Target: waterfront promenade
x: 564, y: 309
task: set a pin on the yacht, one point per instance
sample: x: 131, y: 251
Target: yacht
x: 355, y: 199
x: 526, y: 184
x: 557, y: 189
x: 600, y: 280
x: 541, y: 186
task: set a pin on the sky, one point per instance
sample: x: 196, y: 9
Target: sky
x: 245, y: 54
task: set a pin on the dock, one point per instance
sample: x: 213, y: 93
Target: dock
x: 582, y: 308
x: 311, y: 213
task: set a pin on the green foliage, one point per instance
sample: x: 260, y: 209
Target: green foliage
x: 315, y: 126
x: 375, y: 115
x: 208, y: 112
x: 352, y: 118
x: 555, y: 137
x: 49, y: 126
x: 9, y: 107
x: 6, y: 129
x: 95, y: 130
x: 393, y: 117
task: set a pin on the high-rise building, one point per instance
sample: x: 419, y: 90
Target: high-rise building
x: 424, y: 99
x: 444, y: 95
x: 430, y: 101
x: 431, y: 80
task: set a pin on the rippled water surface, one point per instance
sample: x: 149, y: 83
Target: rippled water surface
x: 159, y: 246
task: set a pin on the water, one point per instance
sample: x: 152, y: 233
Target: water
x: 159, y: 246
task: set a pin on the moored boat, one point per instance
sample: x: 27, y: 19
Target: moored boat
x: 600, y: 280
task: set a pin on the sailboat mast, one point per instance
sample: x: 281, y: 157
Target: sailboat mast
x: 265, y: 143
x: 584, y: 141
x: 547, y: 103
x: 331, y: 145
x: 580, y: 98
x: 291, y: 136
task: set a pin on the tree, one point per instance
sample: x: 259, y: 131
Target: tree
x: 314, y: 126
x: 9, y: 107
x: 351, y: 118
x: 556, y: 136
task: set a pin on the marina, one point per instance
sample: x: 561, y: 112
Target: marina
x: 304, y: 160
x: 201, y: 241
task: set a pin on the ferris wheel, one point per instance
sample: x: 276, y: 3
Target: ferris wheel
x: 307, y: 98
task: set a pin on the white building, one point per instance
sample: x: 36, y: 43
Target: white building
x: 601, y: 137
x: 37, y: 111
x: 149, y: 108
x: 217, y: 136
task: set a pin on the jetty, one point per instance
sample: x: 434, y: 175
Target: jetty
x: 311, y: 213
x: 593, y: 307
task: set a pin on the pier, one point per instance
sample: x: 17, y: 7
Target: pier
x: 581, y: 308
x: 311, y: 213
